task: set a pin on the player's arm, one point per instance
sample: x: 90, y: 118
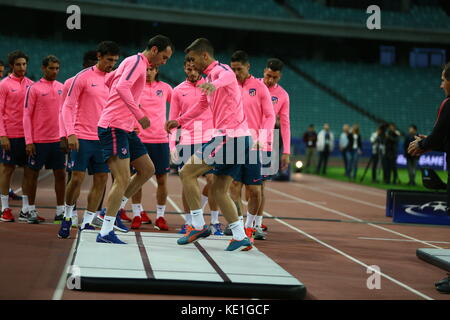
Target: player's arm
x: 225, y: 78
x: 69, y: 109
x: 440, y: 131
x: 285, y: 126
x: 193, y: 113
x: 268, y: 122
x: 174, y: 113
x: 4, y: 140
x: 28, y: 110
x: 129, y: 76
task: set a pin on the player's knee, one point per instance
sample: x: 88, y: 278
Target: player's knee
x: 76, y: 178
x: 100, y: 180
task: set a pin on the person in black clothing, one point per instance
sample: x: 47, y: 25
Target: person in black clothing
x: 310, y: 140
x: 438, y: 140
x: 390, y: 155
x: 378, y: 149
x: 411, y: 161
x: 354, y: 150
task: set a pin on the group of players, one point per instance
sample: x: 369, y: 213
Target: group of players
x: 114, y: 121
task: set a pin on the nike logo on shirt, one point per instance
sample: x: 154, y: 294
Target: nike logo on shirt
x: 45, y: 94
x: 93, y: 85
x: 13, y: 90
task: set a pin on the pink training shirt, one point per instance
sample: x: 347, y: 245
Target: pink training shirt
x: 184, y: 97
x: 259, y: 110
x: 280, y: 100
x: 12, y: 94
x: 122, y: 108
x: 41, y: 112
x: 84, y: 103
x: 62, y: 127
x: 154, y: 101
x: 225, y: 103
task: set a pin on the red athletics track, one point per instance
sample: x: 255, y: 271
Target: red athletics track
x: 328, y: 234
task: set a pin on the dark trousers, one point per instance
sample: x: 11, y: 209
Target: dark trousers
x: 344, y: 157
x: 323, y: 161
x: 375, y: 159
x: 390, y: 168
x: 411, y: 163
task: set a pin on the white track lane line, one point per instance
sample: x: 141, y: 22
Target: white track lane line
x: 300, y: 200
x: 401, y: 284
x: 59, y: 291
x: 400, y: 240
x: 45, y: 175
x: 337, y: 195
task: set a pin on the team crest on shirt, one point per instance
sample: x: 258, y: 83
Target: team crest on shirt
x: 159, y: 93
x: 124, y: 151
x: 252, y: 92
x: 60, y: 92
x: 274, y: 100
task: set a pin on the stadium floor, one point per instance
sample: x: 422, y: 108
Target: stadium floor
x: 325, y: 233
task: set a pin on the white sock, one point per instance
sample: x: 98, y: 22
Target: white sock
x: 214, y: 217
x: 188, y: 218
x: 124, y: 202
x: 25, y: 204
x: 5, y: 201
x: 250, y: 220
x: 31, y: 207
x: 197, y: 218
x: 136, y: 209
x: 141, y: 208
x: 59, y: 210
x: 74, y: 213
x: 160, y: 211
x: 88, y: 218
x: 241, y: 218
x: 238, y: 230
x: 204, y: 201
x: 68, y: 211
x: 258, y: 221
x: 108, y: 225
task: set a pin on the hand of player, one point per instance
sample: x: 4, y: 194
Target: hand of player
x: 64, y: 145
x: 30, y: 149
x: 284, y: 161
x: 73, y: 143
x: 144, y: 122
x: 5, y: 143
x: 414, y: 150
x: 207, y: 87
x: 171, y: 124
x: 420, y: 137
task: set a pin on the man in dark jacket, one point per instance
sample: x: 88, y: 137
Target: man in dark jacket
x: 390, y: 155
x: 310, y: 140
x: 438, y: 140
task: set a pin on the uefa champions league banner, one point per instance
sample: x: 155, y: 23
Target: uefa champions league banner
x: 433, y: 160
x: 417, y: 207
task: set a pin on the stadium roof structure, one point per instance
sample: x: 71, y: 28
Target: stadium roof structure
x: 234, y: 20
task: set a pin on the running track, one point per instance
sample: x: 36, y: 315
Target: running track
x: 326, y: 233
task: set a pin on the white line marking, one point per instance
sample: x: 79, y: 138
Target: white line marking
x: 57, y: 295
x: 400, y: 240
x: 337, y: 195
x: 45, y: 175
x: 346, y: 215
x: 401, y: 284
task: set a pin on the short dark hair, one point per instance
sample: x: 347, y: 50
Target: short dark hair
x: 108, y: 47
x: 275, y: 64
x: 89, y: 58
x: 311, y: 126
x: 50, y: 58
x: 413, y: 126
x: 447, y: 71
x: 201, y: 45
x: 2, y: 63
x: 240, y: 56
x: 161, y: 42
x: 13, y: 56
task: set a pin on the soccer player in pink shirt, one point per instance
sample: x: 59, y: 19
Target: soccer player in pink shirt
x: 41, y: 126
x: 261, y: 120
x: 12, y: 142
x: 280, y: 101
x: 193, y: 135
x: 120, y: 143
x: 226, y: 152
x: 81, y: 111
x: 154, y: 101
